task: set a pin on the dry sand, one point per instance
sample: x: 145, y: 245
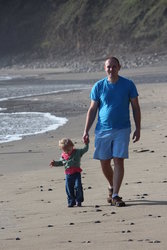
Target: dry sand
x: 33, y: 207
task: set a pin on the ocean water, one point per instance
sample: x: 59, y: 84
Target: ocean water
x: 13, y: 126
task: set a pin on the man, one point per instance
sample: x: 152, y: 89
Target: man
x: 111, y: 97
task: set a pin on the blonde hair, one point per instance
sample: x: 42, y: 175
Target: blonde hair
x: 65, y: 142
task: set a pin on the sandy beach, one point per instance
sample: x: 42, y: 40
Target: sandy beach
x: 33, y: 207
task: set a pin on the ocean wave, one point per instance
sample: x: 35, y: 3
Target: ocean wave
x: 5, y: 78
x: 14, y: 126
x: 2, y: 109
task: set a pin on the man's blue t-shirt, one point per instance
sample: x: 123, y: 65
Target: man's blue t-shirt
x: 113, y: 103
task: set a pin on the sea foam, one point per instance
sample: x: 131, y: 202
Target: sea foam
x: 16, y: 125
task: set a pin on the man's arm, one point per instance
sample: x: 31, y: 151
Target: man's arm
x: 137, y: 118
x: 91, y: 114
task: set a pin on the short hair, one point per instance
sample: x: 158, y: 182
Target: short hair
x: 113, y: 58
x: 65, y: 142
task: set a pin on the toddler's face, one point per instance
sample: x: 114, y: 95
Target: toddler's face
x: 67, y: 149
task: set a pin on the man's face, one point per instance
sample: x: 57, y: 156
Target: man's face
x: 111, y: 68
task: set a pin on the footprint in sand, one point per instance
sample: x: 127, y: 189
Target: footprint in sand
x: 141, y: 150
x: 154, y: 241
x: 126, y: 231
x: 96, y: 206
x: 50, y: 225
x: 86, y: 241
x: 71, y: 224
x: 158, y: 216
x: 99, y: 210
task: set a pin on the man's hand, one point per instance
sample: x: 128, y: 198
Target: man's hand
x: 86, y: 138
x: 136, y: 135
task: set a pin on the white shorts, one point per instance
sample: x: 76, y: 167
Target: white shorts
x: 112, y: 144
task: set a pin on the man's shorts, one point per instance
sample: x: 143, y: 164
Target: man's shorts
x: 112, y: 144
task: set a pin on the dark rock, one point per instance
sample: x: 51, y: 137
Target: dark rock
x: 50, y: 225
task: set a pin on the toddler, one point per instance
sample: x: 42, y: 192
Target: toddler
x: 70, y: 159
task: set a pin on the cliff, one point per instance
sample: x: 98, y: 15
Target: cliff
x: 70, y: 29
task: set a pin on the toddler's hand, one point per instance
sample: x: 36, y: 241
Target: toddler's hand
x: 52, y: 163
x: 86, y: 140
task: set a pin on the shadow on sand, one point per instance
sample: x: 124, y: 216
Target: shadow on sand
x: 145, y: 203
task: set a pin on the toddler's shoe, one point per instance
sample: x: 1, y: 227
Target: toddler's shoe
x: 71, y: 204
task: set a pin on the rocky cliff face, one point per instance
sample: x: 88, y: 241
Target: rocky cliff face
x: 65, y: 29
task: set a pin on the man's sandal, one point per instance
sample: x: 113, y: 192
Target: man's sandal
x: 109, y: 198
x: 118, y: 202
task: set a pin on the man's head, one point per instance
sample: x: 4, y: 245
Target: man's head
x: 112, y: 67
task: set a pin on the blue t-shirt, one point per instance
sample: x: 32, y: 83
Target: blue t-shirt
x: 113, y: 103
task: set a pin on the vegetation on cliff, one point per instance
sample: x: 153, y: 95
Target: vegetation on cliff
x: 85, y: 28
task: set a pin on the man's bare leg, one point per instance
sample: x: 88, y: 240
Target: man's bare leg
x: 114, y: 178
x: 117, y: 181
x: 107, y: 171
x: 118, y: 174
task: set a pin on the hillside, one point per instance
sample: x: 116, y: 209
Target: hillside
x: 69, y: 29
